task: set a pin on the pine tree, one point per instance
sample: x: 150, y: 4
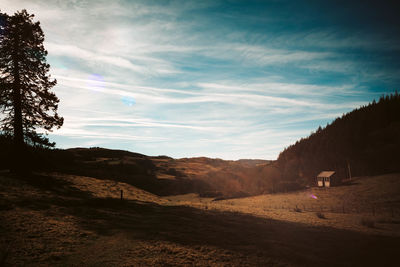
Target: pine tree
x: 26, y: 102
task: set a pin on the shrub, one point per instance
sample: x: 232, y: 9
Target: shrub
x: 320, y: 215
x: 297, y: 209
x: 387, y: 220
x: 368, y: 223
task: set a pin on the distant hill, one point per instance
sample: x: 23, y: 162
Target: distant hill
x: 365, y: 141
x: 160, y: 175
x: 224, y: 177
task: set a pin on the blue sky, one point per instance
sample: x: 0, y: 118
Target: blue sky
x: 227, y: 79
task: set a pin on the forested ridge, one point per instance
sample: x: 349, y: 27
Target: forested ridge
x: 365, y: 141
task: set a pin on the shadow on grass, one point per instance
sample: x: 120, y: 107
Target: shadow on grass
x: 53, y: 191
x: 351, y: 183
x: 297, y: 244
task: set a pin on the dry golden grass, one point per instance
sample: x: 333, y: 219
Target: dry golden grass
x: 375, y: 198
x: 189, y: 167
x: 65, y: 220
x: 109, y: 188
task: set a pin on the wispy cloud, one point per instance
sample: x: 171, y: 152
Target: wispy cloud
x: 227, y: 94
x: 81, y: 133
x: 279, y: 88
x: 190, y: 78
x: 93, y: 58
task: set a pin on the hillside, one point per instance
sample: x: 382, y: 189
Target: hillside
x: 224, y: 177
x: 68, y: 220
x: 159, y: 175
x: 364, y: 141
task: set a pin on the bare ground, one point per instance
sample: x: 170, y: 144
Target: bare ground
x: 61, y: 220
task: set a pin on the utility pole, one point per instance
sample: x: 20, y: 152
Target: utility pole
x: 348, y: 167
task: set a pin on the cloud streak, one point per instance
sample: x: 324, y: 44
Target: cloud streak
x: 190, y: 78
x: 228, y: 94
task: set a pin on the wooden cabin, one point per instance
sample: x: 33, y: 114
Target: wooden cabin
x: 326, y: 179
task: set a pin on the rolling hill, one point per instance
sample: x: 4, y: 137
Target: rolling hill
x: 362, y: 142
x: 160, y: 175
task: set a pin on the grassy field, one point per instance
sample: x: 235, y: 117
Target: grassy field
x: 65, y: 220
x: 374, y: 199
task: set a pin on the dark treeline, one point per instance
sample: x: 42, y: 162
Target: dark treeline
x: 365, y: 141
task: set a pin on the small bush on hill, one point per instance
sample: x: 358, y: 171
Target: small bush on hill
x: 368, y: 223
x: 297, y: 209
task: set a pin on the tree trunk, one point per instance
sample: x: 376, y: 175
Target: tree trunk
x: 18, y: 130
x: 19, y: 145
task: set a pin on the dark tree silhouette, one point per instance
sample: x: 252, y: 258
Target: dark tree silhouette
x: 25, y: 99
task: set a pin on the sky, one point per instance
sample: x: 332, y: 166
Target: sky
x: 222, y: 79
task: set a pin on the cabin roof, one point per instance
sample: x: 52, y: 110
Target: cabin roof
x: 326, y: 174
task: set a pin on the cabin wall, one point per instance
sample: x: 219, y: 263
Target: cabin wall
x: 327, y: 182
